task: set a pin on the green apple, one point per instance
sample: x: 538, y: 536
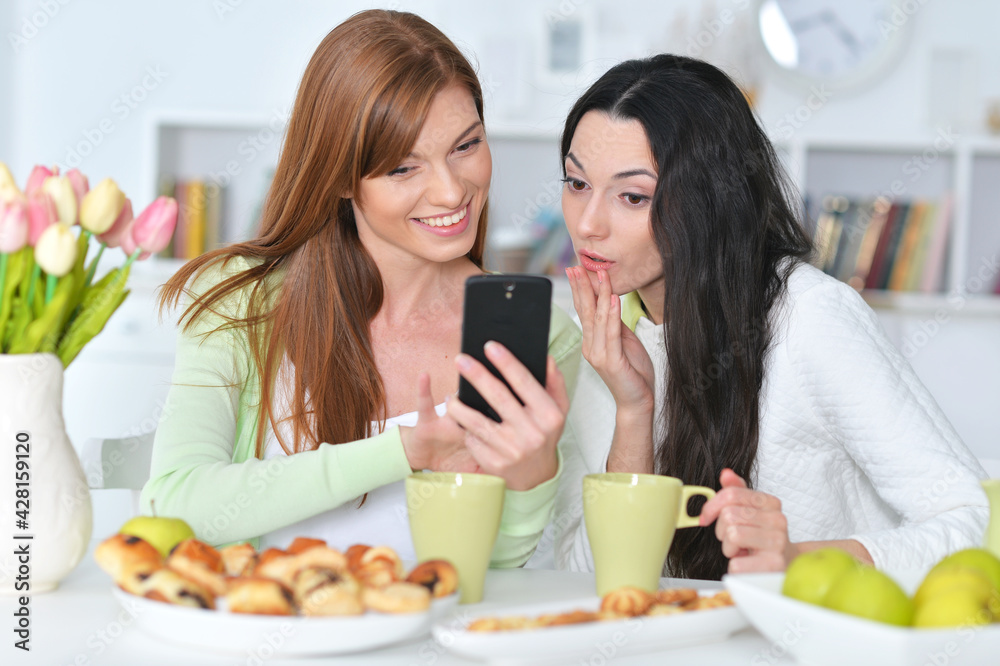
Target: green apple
x: 954, y: 607
x: 871, y: 594
x: 161, y: 532
x: 810, y: 575
x: 975, y: 558
x: 951, y: 578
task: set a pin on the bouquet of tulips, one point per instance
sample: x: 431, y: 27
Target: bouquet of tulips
x: 49, y: 301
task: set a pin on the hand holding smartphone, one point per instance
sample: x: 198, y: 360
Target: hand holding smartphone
x: 513, y: 310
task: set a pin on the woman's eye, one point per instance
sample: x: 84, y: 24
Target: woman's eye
x: 399, y: 171
x: 575, y: 185
x: 468, y: 145
x: 635, y: 199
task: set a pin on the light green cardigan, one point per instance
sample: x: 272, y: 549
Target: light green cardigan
x: 204, y: 469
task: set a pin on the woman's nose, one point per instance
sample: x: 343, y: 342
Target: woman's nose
x: 593, y: 219
x: 446, y: 189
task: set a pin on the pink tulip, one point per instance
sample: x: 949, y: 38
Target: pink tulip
x: 155, y: 225
x: 13, y: 226
x: 41, y: 213
x: 128, y: 242
x: 37, y: 177
x: 121, y: 227
x: 80, y: 185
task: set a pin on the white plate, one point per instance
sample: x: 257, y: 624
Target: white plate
x: 570, y: 643
x: 819, y: 636
x: 221, y: 631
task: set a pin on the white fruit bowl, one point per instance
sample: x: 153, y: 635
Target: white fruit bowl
x: 815, y: 635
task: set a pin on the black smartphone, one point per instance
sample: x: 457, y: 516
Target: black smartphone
x: 513, y: 310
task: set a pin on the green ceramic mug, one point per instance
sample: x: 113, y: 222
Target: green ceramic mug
x: 631, y: 519
x: 455, y: 517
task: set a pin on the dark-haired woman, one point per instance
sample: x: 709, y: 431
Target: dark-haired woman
x: 728, y: 360
x: 295, y: 409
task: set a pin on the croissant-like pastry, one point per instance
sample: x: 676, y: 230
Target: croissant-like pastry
x: 627, y: 601
x: 676, y: 595
x: 438, y: 576
x: 320, y: 591
x: 238, y: 559
x: 397, y: 598
x: 168, y: 586
x: 301, y: 544
x: 123, y: 551
x: 378, y: 567
x: 259, y: 596
x: 284, y: 568
x: 200, y: 562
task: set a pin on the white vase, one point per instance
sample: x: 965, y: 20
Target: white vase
x: 57, y: 513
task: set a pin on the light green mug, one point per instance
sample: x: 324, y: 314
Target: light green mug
x: 631, y: 519
x: 456, y: 517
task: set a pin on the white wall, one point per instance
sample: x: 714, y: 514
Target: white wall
x: 81, y: 57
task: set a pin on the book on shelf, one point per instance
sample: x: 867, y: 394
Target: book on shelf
x: 199, y: 219
x: 884, y: 244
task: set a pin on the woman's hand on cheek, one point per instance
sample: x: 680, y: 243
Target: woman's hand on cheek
x: 436, y: 442
x: 750, y: 525
x: 609, y: 346
x: 521, y: 448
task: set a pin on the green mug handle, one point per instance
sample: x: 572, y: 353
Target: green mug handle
x: 687, y: 492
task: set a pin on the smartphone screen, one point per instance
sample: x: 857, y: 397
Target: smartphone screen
x: 513, y: 310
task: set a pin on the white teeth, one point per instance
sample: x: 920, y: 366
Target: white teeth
x: 446, y: 221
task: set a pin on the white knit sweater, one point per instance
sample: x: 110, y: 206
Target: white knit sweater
x: 851, y: 441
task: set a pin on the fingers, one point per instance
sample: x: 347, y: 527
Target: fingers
x: 740, y: 504
x: 739, y: 538
x: 584, y: 300
x: 758, y: 562
x: 425, y: 399
x: 555, y: 385
x: 730, y: 479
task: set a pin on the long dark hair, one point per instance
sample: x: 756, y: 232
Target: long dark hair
x: 724, y: 228
x: 359, y: 109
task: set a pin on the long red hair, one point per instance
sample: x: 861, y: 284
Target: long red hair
x: 359, y: 109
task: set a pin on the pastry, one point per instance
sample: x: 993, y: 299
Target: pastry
x: 122, y: 551
x: 438, y: 576
x: 378, y: 567
x: 286, y: 566
x: 397, y: 598
x: 627, y: 601
x: 238, y: 559
x: 259, y: 596
x: 197, y: 561
x: 320, y: 591
x: 170, y: 587
x: 301, y: 544
x: 135, y: 575
x: 354, y: 554
x: 572, y: 617
x: 676, y: 595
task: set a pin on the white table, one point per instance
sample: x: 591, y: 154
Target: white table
x: 81, y: 624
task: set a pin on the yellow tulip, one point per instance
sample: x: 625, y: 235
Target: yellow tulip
x: 55, y: 251
x: 101, y: 207
x: 61, y: 190
x: 6, y: 179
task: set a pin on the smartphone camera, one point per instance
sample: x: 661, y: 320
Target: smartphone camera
x: 508, y: 287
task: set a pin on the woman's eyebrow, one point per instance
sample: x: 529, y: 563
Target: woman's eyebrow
x: 572, y: 158
x: 634, y: 172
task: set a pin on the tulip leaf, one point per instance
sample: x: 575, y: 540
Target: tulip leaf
x: 99, y: 303
x: 44, y: 331
x: 17, y: 266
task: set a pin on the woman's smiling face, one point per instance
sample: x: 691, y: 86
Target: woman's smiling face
x: 610, y: 182
x: 430, y: 205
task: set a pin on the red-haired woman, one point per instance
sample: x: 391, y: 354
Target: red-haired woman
x: 302, y: 391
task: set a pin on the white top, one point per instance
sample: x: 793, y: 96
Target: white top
x: 381, y: 521
x: 851, y: 441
